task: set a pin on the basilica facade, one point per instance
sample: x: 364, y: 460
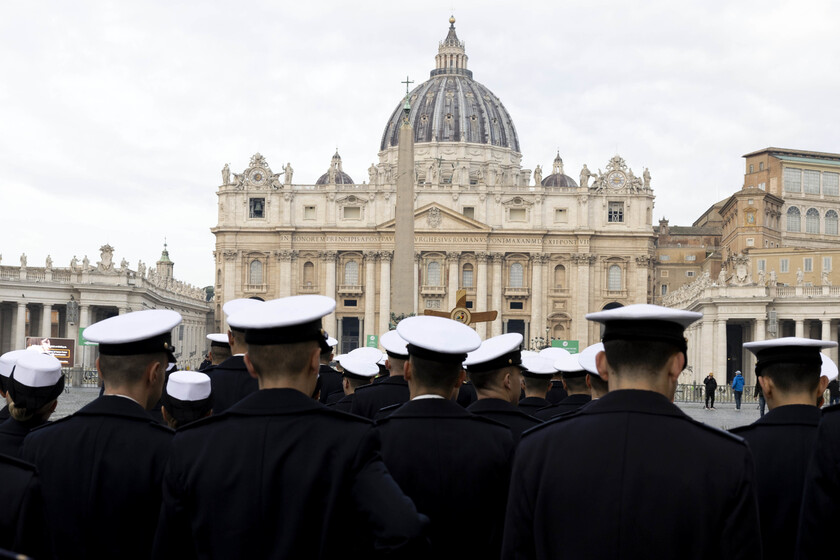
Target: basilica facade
x: 542, y: 249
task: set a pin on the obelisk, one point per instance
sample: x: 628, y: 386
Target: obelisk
x: 402, y: 271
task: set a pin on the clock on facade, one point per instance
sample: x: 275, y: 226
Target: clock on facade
x: 616, y: 179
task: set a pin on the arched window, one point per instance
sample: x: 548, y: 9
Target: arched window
x: 793, y: 219
x: 351, y: 273
x: 433, y: 274
x: 467, y: 276
x: 559, y: 276
x: 308, y: 273
x: 812, y: 221
x: 517, y: 274
x: 255, y: 272
x: 614, y: 278
x: 831, y: 222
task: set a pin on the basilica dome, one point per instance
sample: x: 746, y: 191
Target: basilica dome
x: 452, y: 107
x: 557, y: 177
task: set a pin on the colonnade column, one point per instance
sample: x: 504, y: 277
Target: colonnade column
x: 800, y: 328
x: 329, y: 257
x: 370, y: 295
x: 384, y: 291
x: 720, y: 348
x: 496, y: 296
x: 417, y: 259
x: 452, y: 290
x: 19, y: 334
x: 228, y: 291
x: 84, y: 322
x: 826, y: 334
x: 46, y: 321
x: 481, y: 292
x: 537, y: 322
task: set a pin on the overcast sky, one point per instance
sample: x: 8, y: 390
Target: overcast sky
x: 116, y: 118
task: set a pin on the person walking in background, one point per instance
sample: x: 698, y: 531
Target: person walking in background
x: 711, y: 387
x: 738, y: 389
x: 760, y: 395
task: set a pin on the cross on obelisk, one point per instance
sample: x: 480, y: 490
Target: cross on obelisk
x: 402, y: 271
x: 461, y: 314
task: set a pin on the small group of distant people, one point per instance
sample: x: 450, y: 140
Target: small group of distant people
x: 442, y: 446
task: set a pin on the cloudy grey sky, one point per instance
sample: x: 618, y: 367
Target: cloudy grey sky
x: 116, y: 118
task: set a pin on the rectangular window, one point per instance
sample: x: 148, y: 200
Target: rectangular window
x: 793, y: 180
x: 469, y: 212
x: 615, y: 212
x: 811, y: 181
x: 664, y: 289
x: 469, y: 305
x: 664, y: 257
x: 826, y: 264
x: 784, y: 265
x: 351, y: 302
x: 691, y: 257
x: 308, y: 212
x: 352, y: 213
x: 752, y: 168
x: 750, y: 241
x: 808, y: 264
x: 516, y: 305
x: 762, y: 265
x: 517, y: 215
x: 689, y: 273
x: 761, y: 166
x: 664, y: 274
x: 561, y: 216
x: 467, y: 278
x: 762, y: 186
x: 256, y: 208
x: 831, y: 185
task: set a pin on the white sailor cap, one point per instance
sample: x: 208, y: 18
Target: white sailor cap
x: 438, y: 339
x: 525, y: 353
x: 569, y: 366
x: 234, y: 306
x: 791, y: 349
x: 383, y: 359
x: 645, y: 322
x: 139, y: 332
x: 538, y: 366
x: 35, y: 380
x: 495, y: 353
x: 189, y: 386
x: 829, y: 368
x: 8, y: 360
x: 285, y: 321
x: 394, y: 345
x: 358, y: 367
x: 219, y: 339
x: 554, y: 353
x: 366, y: 354
x: 332, y: 342
x: 586, y: 358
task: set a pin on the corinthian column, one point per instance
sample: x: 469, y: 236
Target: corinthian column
x: 537, y: 322
x: 370, y: 294
x: 497, y: 292
x: 329, y: 288
x: 452, y: 290
x: 384, y: 291
x: 481, y: 291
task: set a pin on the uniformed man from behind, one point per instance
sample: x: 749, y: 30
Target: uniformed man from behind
x: 219, y: 348
x: 781, y: 441
x: 536, y: 386
x: 643, y: 456
x: 279, y: 475
x: 7, y: 363
x: 103, y: 466
x: 23, y: 523
x: 187, y: 398
x: 820, y: 514
x: 230, y: 379
x: 453, y: 464
x: 356, y: 373
x: 329, y: 379
x: 34, y: 387
x: 556, y: 391
x: 496, y: 372
x: 574, y: 381
x: 394, y: 389
x: 597, y: 387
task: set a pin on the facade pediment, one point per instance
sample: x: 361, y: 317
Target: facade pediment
x: 435, y: 217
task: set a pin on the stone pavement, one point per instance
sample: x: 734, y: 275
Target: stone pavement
x: 724, y: 417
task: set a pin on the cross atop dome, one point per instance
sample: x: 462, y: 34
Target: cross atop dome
x: 451, y: 57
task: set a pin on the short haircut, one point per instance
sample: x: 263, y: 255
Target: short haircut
x: 397, y: 365
x: 273, y: 360
x: 598, y: 384
x: 576, y: 384
x: 326, y: 355
x: 181, y: 416
x: 643, y: 356
x: 485, y: 379
x: 238, y: 336
x: 127, y: 370
x: 220, y: 353
x: 355, y: 382
x: 435, y: 375
x: 793, y: 378
x: 536, y: 384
